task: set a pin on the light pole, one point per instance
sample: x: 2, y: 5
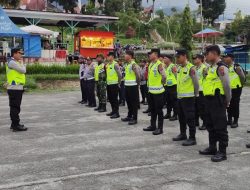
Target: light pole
x: 202, y: 26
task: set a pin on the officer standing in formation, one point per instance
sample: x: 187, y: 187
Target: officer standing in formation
x: 82, y: 81
x: 143, y: 83
x: 217, y: 92
x: 15, y: 72
x: 237, y: 80
x: 113, y: 83
x: 187, y: 90
x: 200, y: 102
x: 171, y: 87
x: 90, y: 82
x: 132, y: 82
x: 101, y: 85
x: 156, y: 80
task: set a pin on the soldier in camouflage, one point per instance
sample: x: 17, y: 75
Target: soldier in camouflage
x: 101, y: 84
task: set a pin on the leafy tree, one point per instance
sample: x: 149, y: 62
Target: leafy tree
x: 244, y: 29
x: 160, y: 13
x: 212, y: 9
x: 68, y: 5
x: 10, y: 3
x: 186, y: 30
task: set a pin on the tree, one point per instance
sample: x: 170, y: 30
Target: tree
x: 68, y: 5
x: 212, y: 9
x: 10, y: 3
x: 244, y: 29
x: 186, y: 30
x: 160, y: 13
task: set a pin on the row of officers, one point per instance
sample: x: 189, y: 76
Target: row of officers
x: 204, y: 90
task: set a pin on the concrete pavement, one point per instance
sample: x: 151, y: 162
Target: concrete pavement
x: 69, y: 146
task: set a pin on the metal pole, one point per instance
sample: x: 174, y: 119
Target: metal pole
x: 202, y: 27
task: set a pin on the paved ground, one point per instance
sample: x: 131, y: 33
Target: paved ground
x: 69, y: 146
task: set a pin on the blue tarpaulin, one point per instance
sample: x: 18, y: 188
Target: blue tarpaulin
x: 32, y: 46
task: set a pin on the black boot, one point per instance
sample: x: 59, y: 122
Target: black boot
x: 109, y: 114
x: 115, y: 116
x: 132, y: 122
x: 99, y: 107
x: 248, y: 145
x: 189, y: 142
x: 103, y: 108
x: 19, y: 128
x: 167, y: 116
x: 126, y: 119
x: 150, y: 128
x: 235, y: 123
x: 219, y: 156
x: 146, y: 111
x: 158, y: 131
x: 208, y: 151
x: 180, y: 137
x: 173, y: 118
x: 229, y: 121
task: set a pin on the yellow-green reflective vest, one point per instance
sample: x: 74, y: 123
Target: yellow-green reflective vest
x: 185, y: 86
x: 171, y: 78
x: 155, y: 79
x: 130, y: 77
x: 112, y: 76
x: 234, y: 78
x: 212, y: 82
x: 98, y: 69
x: 14, y: 77
x: 200, y: 75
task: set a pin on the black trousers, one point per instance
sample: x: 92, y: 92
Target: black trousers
x: 83, y: 90
x: 216, y: 121
x: 200, y: 108
x: 186, y: 113
x: 122, y: 93
x: 113, y: 91
x: 171, y: 99
x: 91, y: 92
x: 156, y: 104
x: 132, y: 99
x: 234, y: 108
x: 144, y: 89
x: 15, y: 100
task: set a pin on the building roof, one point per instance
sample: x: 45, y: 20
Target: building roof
x: 58, y: 19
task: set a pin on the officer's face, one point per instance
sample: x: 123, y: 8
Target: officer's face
x: 211, y: 57
x: 110, y: 58
x: 18, y: 55
x: 127, y: 57
x: 227, y: 60
x: 180, y: 59
x: 166, y: 60
x: 89, y: 61
x: 197, y: 61
x: 153, y: 56
x: 161, y: 59
x: 99, y: 59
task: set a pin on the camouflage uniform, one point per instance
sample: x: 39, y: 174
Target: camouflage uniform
x: 101, y: 89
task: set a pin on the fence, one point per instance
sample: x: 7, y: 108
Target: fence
x: 243, y: 58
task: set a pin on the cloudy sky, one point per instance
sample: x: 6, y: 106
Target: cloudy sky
x: 232, y: 5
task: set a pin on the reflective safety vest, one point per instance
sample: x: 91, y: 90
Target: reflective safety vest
x: 171, y: 78
x: 155, y: 79
x: 98, y: 70
x: 14, y: 77
x: 185, y: 86
x: 130, y: 77
x: 212, y: 82
x: 234, y: 78
x: 112, y: 76
x: 200, y: 75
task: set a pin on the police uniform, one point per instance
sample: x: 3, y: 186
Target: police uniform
x: 199, y: 101
x: 156, y: 97
x: 122, y: 87
x: 131, y: 93
x: 186, y: 105
x: 90, y: 84
x: 143, y: 84
x: 236, y: 86
x: 171, y: 92
x: 101, y: 87
x: 113, y: 89
x: 16, y: 80
x: 82, y: 84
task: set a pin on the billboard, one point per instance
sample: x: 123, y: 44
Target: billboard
x: 37, y: 5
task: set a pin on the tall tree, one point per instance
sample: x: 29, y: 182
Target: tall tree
x: 212, y: 9
x: 68, y: 5
x: 244, y: 29
x: 186, y: 30
x: 10, y: 3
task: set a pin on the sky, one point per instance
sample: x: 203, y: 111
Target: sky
x: 232, y: 5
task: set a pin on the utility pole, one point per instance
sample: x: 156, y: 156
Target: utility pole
x: 202, y: 26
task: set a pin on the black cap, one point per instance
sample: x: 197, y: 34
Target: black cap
x: 231, y: 55
x: 15, y: 50
x: 100, y: 55
x: 213, y: 48
x: 179, y: 52
x: 199, y: 56
x: 131, y: 53
x: 155, y: 50
x: 111, y: 53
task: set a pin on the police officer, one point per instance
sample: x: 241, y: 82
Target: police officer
x: 171, y: 87
x: 237, y: 80
x: 132, y: 81
x: 148, y: 110
x: 122, y: 86
x: 143, y: 83
x: 113, y: 83
x: 199, y: 101
x: 156, y: 80
x: 101, y: 85
x: 90, y: 82
x: 187, y: 89
x: 217, y: 92
x: 15, y: 72
x: 82, y: 81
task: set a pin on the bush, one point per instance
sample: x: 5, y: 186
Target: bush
x: 53, y: 69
